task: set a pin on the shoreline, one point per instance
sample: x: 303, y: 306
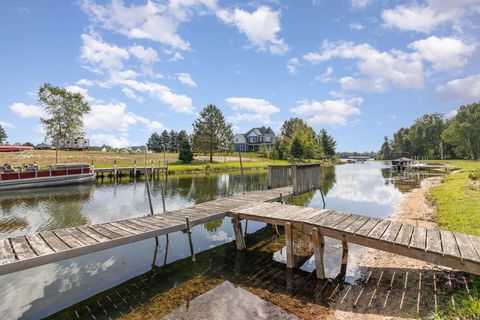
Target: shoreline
x: 415, y: 209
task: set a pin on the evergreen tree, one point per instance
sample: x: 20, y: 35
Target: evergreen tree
x: 173, y: 143
x: 155, y: 143
x: 3, y: 136
x: 327, y: 143
x: 385, y: 151
x: 296, y: 149
x: 185, y: 153
x: 210, y: 131
x: 165, y: 140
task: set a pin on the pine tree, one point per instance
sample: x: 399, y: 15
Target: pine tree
x: 296, y: 149
x: 3, y: 135
x: 185, y: 153
x: 155, y: 143
x: 210, y: 131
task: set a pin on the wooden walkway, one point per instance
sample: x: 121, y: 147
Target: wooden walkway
x: 133, y: 171
x: 451, y: 249
x: 24, y: 252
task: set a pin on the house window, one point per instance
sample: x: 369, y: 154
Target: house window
x: 242, y: 147
x: 253, y: 139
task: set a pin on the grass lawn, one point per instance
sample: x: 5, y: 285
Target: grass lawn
x: 458, y: 209
x: 251, y: 160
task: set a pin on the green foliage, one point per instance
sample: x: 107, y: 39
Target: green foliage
x: 401, y: 146
x: 3, y: 136
x: 64, y: 112
x: 475, y: 175
x: 291, y: 127
x: 185, y: 153
x: 327, y: 143
x: 211, y: 133
x: 279, y: 150
x: 307, y: 138
x: 386, y: 150
x: 425, y: 135
x: 463, y: 132
x: 155, y: 143
x: 296, y: 149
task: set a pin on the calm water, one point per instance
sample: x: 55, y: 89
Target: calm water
x: 42, y: 291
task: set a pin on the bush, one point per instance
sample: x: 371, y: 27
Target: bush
x: 475, y: 175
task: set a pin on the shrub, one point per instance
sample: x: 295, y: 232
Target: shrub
x: 475, y: 175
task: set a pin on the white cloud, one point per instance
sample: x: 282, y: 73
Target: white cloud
x: 292, y: 65
x: 27, y: 110
x: 129, y: 93
x: 426, y: 18
x: 466, y: 89
x: 444, y: 53
x: 261, y: 27
x: 110, y: 140
x: 186, y: 79
x: 325, y: 77
x: 393, y: 68
x: 328, y: 111
x: 82, y: 91
x: 359, y: 4
x: 101, y: 55
x: 151, y: 21
x: 177, y: 102
x: 101, y: 115
x: 356, y: 26
x: 6, y: 124
x: 257, y: 110
x: 371, y: 85
x: 145, y: 55
x: 176, y: 57
x: 85, y: 82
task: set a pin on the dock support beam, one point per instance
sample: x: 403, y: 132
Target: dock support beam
x: 318, y: 245
x: 343, y: 269
x: 190, y: 242
x: 289, y: 244
x: 237, y: 228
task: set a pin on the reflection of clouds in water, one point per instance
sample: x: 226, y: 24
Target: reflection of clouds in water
x: 219, y: 236
x: 20, y: 290
x: 367, y: 186
x: 17, y: 296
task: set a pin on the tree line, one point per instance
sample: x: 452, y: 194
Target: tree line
x: 436, y: 137
x: 213, y: 134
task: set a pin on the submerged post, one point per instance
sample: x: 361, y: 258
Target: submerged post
x: 237, y: 228
x: 241, y: 170
x: 115, y: 168
x: 190, y: 242
x: 148, y: 193
x: 343, y: 269
x: 318, y: 245
x: 289, y: 244
x: 134, y: 168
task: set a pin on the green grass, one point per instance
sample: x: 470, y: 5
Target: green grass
x: 458, y: 209
x: 251, y: 160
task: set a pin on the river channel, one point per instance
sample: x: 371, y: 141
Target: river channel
x: 103, y: 284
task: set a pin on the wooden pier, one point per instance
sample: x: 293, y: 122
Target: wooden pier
x: 441, y: 247
x: 28, y: 251
x: 451, y: 249
x: 133, y: 171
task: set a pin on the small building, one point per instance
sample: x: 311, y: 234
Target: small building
x: 74, y: 144
x: 254, y: 139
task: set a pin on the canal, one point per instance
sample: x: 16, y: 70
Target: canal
x: 130, y: 280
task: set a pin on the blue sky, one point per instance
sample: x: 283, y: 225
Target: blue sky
x: 359, y: 68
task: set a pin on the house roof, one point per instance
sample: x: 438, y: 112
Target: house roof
x: 262, y: 130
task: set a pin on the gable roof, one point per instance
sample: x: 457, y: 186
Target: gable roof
x: 262, y: 130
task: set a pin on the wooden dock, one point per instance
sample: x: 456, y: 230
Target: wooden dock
x: 441, y: 247
x: 131, y: 171
x: 28, y: 251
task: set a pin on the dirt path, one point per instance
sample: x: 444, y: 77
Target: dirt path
x: 414, y: 209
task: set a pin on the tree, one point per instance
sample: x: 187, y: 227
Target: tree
x: 3, y: 135
x: 210, y: 131
x: 173, y: 143
x: 297, y: 148
x: 155, y: 143
x: 279, y: 151
x: 385, y: 150
x: 292, y: 126
x: 327, y: 143
x: 463, y: 132
x: 165, y: 140
x: 402, y: 145
x: 64, y: 113
x: 425, y: 135
x: 185, y: 153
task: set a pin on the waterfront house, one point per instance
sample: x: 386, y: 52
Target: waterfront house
x: 254, y: 139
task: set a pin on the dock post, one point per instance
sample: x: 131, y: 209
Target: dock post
x: 239, y: 239
x: 151, y: 166
x: 343, y: 269
x: 289, y: 245
x: 166, y: 169
x: 318, y: 245
x: 93, y: 167
x: 135, y: 168
x: 190, y: 242
x: 115, y: 168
